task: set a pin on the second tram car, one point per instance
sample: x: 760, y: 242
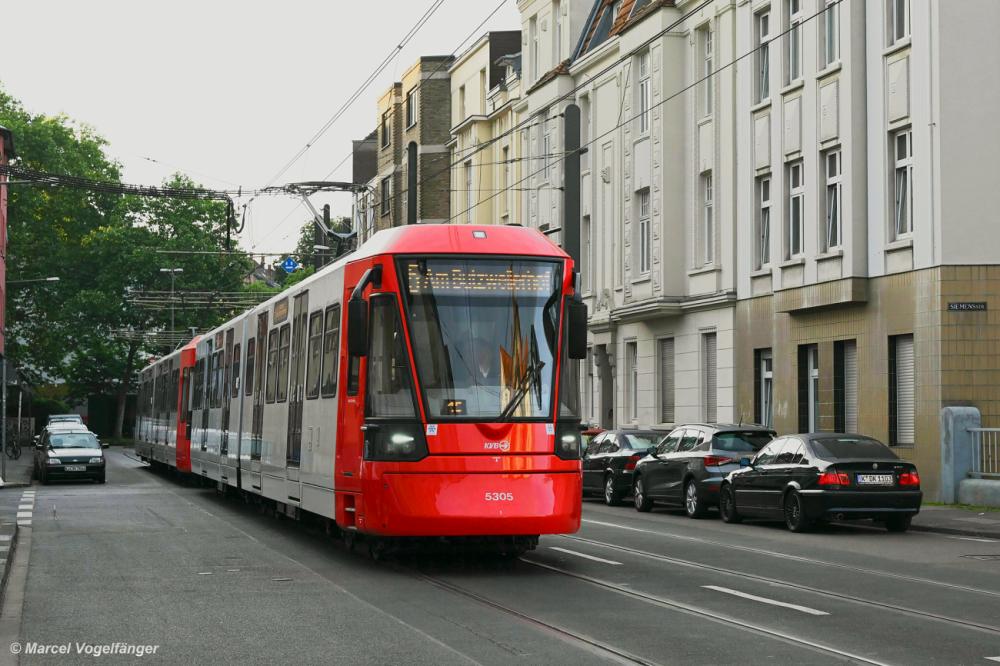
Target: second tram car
x: 425, y: 385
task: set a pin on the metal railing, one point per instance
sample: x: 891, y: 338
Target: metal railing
x: 985, y: 453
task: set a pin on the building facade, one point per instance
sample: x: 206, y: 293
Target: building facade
x: 868, y: 277
x: 485, y: 84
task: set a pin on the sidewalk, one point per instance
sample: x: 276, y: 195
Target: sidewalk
x: 19, y: 471
x: 955, y: 520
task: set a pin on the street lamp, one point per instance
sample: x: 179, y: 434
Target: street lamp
x: 173, y: 272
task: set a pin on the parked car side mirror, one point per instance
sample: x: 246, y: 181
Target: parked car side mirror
x: 651, y: 451
x: 104, y: 445
x: 745, y: 462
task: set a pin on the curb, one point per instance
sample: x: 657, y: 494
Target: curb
x: 8, y: 563
x: 971, y: 532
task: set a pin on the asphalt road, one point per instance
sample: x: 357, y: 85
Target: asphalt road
x: 145, y: 560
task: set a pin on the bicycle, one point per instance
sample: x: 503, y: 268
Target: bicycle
x: 13, y: 449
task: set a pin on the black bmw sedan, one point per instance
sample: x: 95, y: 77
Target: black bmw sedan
x: 823, y: 476
x: 610, y: 459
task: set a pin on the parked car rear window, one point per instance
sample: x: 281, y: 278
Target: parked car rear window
x: 641, y: 441
x: 741, y: 442
x: 852, y: 447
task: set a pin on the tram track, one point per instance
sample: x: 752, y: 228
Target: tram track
x: 746, y: 575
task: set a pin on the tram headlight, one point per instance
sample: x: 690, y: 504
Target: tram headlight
x: 402, y: 442
x: 568, y: 441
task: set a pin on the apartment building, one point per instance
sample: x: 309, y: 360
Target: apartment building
x: 485, y: 84
x: 413, y: 115
x: 868, y: 272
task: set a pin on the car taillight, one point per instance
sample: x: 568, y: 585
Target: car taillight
x: 632, y: 460
x: 714, y: 461
x: 834, y: 479
x: 909, y: 479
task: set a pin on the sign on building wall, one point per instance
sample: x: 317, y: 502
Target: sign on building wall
x: 967, y: 307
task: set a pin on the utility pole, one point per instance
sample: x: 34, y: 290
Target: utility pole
x: 571, y: 184
x: 173, y: 272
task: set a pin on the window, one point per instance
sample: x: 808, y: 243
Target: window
x: 831, y: 161
x: 547, y: 156
x: 469, y: 200
x: 644, y: 92
x: 411, y: 108
x: 796, y: 209
x: 585, y: 131
x: 793, y: 46
x: 483, y: 91
x: 808, y: 388
x: 533, y: 36
x: 272, y: 365
x: 631, y: 380
x: 616, y: 8
x: 557, y: 40
x: 902, y: 147
x: 389, y: 385
x: 331, y: 351
x: 386, y: 195
x: 251, y: 364
x: 588, y: 384
x: 666, y: 365
x: 706, y: 70
x: 643, y: 230
x: 505, y: 184
x: 586, y: 255
x: 461, y: 104
x: 234, y: 379
x: 763, y: 69
x: 315, y: 367
x: 902, y: 383
x: 764, y: 387
x: 385, y: 128
x: 898, y: 20
x: 763, y: 221
x: 284, y: 344
x: 845, y: 386
x: 709, y: 376
x: 707, y: 220
x: 830, y: 32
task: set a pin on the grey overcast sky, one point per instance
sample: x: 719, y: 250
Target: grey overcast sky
x: 225, y: 90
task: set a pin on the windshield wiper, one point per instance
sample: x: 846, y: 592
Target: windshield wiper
x: 529, y: 379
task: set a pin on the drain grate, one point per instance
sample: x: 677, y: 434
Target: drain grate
x: 988, y: 558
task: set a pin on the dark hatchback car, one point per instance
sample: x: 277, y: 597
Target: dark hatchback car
x: 687, y: 467
x: 823, y: 476
x: 609, y: 460
x: 69, y: 454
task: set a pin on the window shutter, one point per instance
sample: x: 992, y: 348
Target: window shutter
x: 710, y: 370
x: 667, y: 380
x: 904, y: 390
x: 851, y: 386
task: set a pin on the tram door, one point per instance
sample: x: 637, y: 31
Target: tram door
x: 257, y: 415
x: 207, y: 403
x: 300, y: 315
x: 226, y: 376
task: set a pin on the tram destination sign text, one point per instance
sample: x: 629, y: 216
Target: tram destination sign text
x: 977, y: 306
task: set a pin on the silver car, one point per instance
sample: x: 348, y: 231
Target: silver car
x: 68, y: 454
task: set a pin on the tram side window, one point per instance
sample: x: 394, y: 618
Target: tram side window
x: 234, y: 381
x: 315, y: 355
x: 175, y: 385
x: 285, y: 343
x: 251, y: 362
x: 331, y: 351
x: 272, y: 365
x: 390, y: 387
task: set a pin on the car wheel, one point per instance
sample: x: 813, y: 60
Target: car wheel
x: 795, y: 517
x: 642, y: 503
x: 612, y: 497
x: 693, y: 505
x: 898, y: 522
x: 727, y: 505
x: 101, y: 478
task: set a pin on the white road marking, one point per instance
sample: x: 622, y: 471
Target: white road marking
x: 764, y: 600
x: 25, y: 507
x: 24, y: 514
x: 24, y: 523
x: 589, y: 557
x: 971, y: 539
x: 621, y: 527
x: 992, y: 658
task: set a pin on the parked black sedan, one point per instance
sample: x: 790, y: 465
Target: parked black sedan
x: 822, y: 476
x: 687, y: 467
x: 610, y: 458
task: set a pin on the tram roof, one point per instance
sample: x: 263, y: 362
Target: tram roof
x: 458, y: 239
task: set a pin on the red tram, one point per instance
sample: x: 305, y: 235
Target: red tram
x: 448, y: 407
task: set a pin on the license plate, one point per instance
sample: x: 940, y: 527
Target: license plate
x: 75, y: 468
x: 875, y: 479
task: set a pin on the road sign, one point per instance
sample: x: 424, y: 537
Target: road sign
x: 289, y: 265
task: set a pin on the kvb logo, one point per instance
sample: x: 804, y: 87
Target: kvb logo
x: 497, y: 446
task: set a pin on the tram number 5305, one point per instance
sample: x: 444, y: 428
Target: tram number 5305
x: 499, y: 497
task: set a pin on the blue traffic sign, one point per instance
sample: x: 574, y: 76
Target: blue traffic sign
x: 289, y: 265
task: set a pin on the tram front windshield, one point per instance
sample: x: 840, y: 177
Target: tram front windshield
x: 484, y: 335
